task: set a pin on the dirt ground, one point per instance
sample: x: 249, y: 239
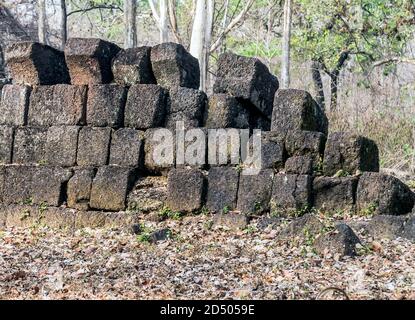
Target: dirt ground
x: 197, y: 262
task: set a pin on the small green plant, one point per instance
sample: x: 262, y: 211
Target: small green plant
x: 204, y: 211
x: 341, y: 173
x: 144, y: 238
x: 226, y: 210
x: 42, y: 162
x: 411, y: 184
x: 133, y: 207
x: 208, y: 225
x: 25, y: 215
x: 28, y: 201
x: 257, y: 206
x: 167, y: 213
x: 369, y: 210
x: 251, y: 229
x: 309, y: 237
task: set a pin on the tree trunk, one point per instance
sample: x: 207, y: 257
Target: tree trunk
x: 286, y: 45
x: 197, y: 41
x: 210, y: 10
x: 41, y: 14
x: 318, y: 83
x: 334, y: 76
x: 164, y: 22
x: 130, y: 9
x: 63, y: 27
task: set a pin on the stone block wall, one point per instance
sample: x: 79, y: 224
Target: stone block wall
x: 77, y: 130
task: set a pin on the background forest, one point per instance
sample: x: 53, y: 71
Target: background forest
x: 355, y: 56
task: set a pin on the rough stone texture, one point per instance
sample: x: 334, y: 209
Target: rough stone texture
x: 60, y: 104
x: 32, y: 63
x: 160, y: 235
x: 340, y: 242
x: 230, y: 221
x: 133, y: 66
x: 222, y: 189
x: 30, y: 145
x: 35, y: 185
x: 146, y: 106
x: 14, y: 105
x: 195, y: 151
x: 6, y: 144
x: 302, y: 143
x: 105, y: 107
x: 89, y: 60
x: 246, y: 78
x: 255, y: 192
x: 299, y: 165
x: 224, y: 111
x: 148, y: 195
x: 185, y: 190
x: 61, y: 145
x: 79, y: 188
x: 111, y: 186
x: 127, y: 148
x: 300, y: 227
x: 291, y: 194
x: 272, y: 151
x: 174, y: 67
x: 29, y: 216
x: 387, y: 226
x: 350, y: 152
x: 93, y: 146
x: 269, y: 223
x: 297, y: 110
x: 409, y: 229
x: 378, y: 193
x: 334, y: 194
x: 187, y: 105
x: 152, y: 145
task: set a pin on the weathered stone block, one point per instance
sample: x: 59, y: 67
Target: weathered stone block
x: 409, y: 229
x: 174, y: 67
x: 306, y: 143
x: 148, y: 196
x: 291, y: 194
x: 387, y: 226
x: 296, y: 110
x: 61, y: 145
x: 246, y: 78
x: 57, y: 105
x: 89, y: 60
x: 230, y: 221
x: 225, y: 111
x: 187, y: 105
x: 383, y: 194
x: 79, y: 188
x: 14, y: 105
x: 146, y: 106
x: 334, y: 194
x: 225, y: 146
x: 110, y: 188
x: 93, y: 146
x: 340, y: 242
x: 6, y: 144
x: 301, y: 227
x: 133, y: 66
x: 35, y: 184
x: 350, y: 152
x: 272, y: 151
x: 299, y: 165
x: 127, y: 148
x: 30, y: 145
x: 185, y: 190
x: 255, y: 192
x: 105, y: 107
x: 33, y: 63
x: 159, y: 154
x: 222, y: 189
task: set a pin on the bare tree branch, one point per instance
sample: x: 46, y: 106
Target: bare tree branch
x: 232, y: 25
x: 111, y: 7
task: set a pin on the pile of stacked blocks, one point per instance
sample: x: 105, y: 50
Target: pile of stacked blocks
x: 76, y: 132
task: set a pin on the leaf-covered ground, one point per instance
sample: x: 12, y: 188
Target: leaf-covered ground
x: 197, y: 263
